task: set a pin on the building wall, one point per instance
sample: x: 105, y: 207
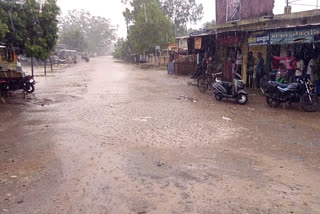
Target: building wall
x: 250, y: 9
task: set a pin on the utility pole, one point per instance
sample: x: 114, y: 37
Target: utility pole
x: 145, y: 11
x: 287, y: 2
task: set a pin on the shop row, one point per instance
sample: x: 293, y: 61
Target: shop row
x: 283, y: 54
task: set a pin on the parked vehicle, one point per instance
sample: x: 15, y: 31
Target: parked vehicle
x: 213, y: 70
x: 142, y: 59
x: 86, y: 58
x: 234, y: 90
x: 200, y: 70
x: 3, y: 86
x: 302, y: 92
x: 205, y: 82
x: 12, y: 84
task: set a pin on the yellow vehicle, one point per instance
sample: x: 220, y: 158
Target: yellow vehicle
x: 12, y: 78
x: 8, y: 59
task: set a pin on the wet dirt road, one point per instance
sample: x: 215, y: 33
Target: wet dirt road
x: 106, y: 137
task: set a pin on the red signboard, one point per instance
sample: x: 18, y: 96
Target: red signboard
x: 228, y: 40
x: 235, y: 10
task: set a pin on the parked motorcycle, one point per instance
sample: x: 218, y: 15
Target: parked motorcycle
x: 302, y: 92
x: 26, y: 83
x: 229, y: 90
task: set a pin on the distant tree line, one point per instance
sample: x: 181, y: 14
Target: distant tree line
x: 84, y: 32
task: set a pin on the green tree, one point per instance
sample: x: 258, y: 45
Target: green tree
x: 150, y: 27
x: 182, y: 12
x: 3, y: 23
x: 48, y: 21
x: 122, y: 50
x: 209, y: 25
x: 32, y: 30
x: 14, y: 16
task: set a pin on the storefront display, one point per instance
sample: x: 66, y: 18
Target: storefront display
x: 228, y: 45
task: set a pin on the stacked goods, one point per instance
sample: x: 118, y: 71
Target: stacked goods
x: 9, y: 74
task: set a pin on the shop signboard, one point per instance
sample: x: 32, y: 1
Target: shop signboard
x: 197, y: 43
x: 259, y: 38
x: 228, y: 40
x: 233, y: 10
x: 295, y: 36
x: 183, y: 44
x: 173, y: 46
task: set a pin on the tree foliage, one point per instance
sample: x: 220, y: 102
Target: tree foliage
x: 48, y: 19
x: 3, y: 24
x: 84, y: 32
x: 151, y: 28
x: 32, y: 29
x: 182, y: 12
x: 147, y: 27
x: 209, y: 25
x: 122, y: 50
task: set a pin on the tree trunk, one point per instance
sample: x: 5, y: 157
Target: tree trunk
x: 45, y: 67
x: 51, y: 64
x: 32, y: 73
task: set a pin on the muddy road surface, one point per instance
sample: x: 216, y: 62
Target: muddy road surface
x: 106, y: 137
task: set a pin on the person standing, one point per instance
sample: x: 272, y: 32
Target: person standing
x: 259, y: 69
x: 300, y: 68
x: 239, y: 62
x: 311, y: 68
x: 275, y: 64
x: 291, y: 65
x: 250, y: 69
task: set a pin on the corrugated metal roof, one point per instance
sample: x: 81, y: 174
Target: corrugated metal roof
x: 204, y: 32
x: 182, y: 37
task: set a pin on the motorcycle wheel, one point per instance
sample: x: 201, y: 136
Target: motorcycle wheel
x: 203, y: 83
x: 273, y: 103
x: 29, y: 89
x: 307, y: 106
x: 264, y: 83
x: 242, y: 99
x: 218, y: 97
x: 5, y: 87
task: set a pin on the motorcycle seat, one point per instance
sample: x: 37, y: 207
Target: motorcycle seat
x: 290, y: 87
x: 281, y: 85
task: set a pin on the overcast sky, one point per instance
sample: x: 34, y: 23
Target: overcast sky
x: 113, y: 9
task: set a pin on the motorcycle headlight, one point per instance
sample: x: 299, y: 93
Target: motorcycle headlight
x: 31, y: 81
x: 310, y: 86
